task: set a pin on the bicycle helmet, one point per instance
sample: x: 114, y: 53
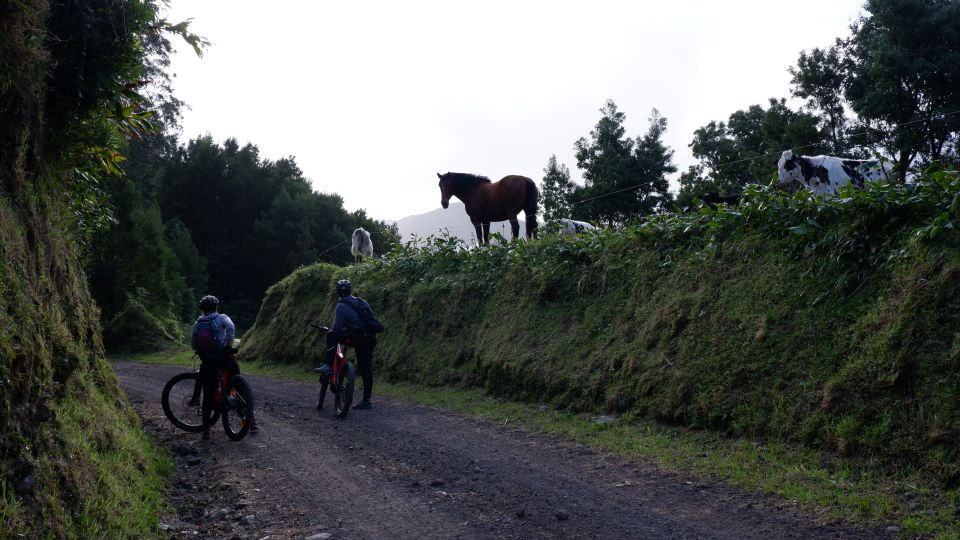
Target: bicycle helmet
x: 344, y: 287
x: 209, y: 303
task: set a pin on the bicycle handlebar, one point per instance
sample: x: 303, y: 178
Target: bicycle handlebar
x: 322, y: 329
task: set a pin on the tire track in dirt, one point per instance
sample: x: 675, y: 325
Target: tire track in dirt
x: 404, y: 470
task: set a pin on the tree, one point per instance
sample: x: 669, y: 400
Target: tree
x: 132, y: 259
x: 742, y: 150
x: 819, y: 78
x: 653, y: 162
x: 624, y: 178
x: 605, y: 160
x: 190, y: 264
x: 556, y: 190
x: 693, y: 183
x: 897, y: 72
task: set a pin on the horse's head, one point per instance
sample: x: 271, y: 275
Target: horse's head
x: 446, y: 189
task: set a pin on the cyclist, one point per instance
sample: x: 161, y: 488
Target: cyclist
x: 212, y: 340
x: 349, y: 329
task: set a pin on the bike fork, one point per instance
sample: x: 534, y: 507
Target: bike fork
x: 196, y: 390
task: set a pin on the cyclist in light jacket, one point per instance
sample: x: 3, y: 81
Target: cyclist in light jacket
x: 212, y: 340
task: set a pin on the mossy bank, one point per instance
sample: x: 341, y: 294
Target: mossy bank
x: 74, y: 462
x: 829, y: 324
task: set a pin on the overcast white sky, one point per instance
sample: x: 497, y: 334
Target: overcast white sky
x: 374, y: 98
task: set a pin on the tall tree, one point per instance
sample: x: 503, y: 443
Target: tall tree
x: 898, y: 73
x: 624, y: 178
x: 556, y: 189
x: 819, y: 78
x: 606, y: 161
x: 132, y: 260
x: 653, y: 162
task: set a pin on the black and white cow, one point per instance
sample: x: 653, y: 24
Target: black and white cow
x: 824, y: 175
x: 568, y: 227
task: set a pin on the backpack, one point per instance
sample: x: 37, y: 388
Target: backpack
x: 205, y: 337
x: 371, y: 324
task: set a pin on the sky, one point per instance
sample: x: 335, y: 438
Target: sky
x: 374, y: 98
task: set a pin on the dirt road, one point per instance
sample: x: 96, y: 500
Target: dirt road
x: 403, y: 470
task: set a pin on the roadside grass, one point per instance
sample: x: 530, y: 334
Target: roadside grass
x: 11, y: 512
x: 861, y: 491
x: 132, y: 496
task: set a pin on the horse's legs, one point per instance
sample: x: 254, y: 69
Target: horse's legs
x: 480, y: 239
x: 514, y: 227
x: 486, y: 232
x: 531, y: 222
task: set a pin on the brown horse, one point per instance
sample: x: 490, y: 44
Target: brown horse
x: 487, y: 201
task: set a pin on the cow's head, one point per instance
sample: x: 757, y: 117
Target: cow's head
x: 788, y: 169
x: 446, y: 189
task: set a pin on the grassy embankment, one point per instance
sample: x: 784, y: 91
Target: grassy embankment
x: 822, y: 326
x: 75, y: 461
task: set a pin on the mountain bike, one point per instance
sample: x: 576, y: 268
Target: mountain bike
x: 340, y: 383
x: 233, y: 402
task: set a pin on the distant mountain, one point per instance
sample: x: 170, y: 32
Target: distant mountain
x: 453, y: 219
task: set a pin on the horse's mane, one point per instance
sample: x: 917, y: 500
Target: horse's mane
x: 464, y: 181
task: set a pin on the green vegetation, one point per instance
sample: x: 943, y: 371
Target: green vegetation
x: 887, y: 89
x: 741, y: 151
x: 789, y: 320
x: 74, y: 461
x: 634, y: 169
x: 895, y: 73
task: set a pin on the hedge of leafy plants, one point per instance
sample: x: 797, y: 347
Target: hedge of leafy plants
x: 827, y: 322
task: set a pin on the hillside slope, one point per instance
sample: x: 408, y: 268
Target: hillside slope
x: 71, y: 450
x: 73, y: 460
x: 838, y: 333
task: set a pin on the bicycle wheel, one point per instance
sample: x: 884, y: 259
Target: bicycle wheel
x: 238, y: 408
x: 344, y: 396
x: 179, y: 404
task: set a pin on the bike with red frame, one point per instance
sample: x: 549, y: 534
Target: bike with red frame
x: 233, y: 401
x: 340, y: 383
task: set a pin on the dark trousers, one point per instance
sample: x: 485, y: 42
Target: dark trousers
x: 211, y: 368
x: 364, y: 346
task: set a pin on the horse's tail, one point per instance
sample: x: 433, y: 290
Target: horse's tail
x: 530, y: 204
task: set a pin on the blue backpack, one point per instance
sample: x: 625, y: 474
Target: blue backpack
x: 205, y: 337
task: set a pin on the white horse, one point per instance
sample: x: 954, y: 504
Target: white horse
x: 362, y: 246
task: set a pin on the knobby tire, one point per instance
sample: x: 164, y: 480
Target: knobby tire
x: 343, y: 398
x: 175, y: 401
x: 237, y: 408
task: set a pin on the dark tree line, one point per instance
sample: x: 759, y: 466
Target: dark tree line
x: 210, y: 218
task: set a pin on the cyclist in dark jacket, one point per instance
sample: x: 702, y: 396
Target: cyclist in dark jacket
x: 349, y: 329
